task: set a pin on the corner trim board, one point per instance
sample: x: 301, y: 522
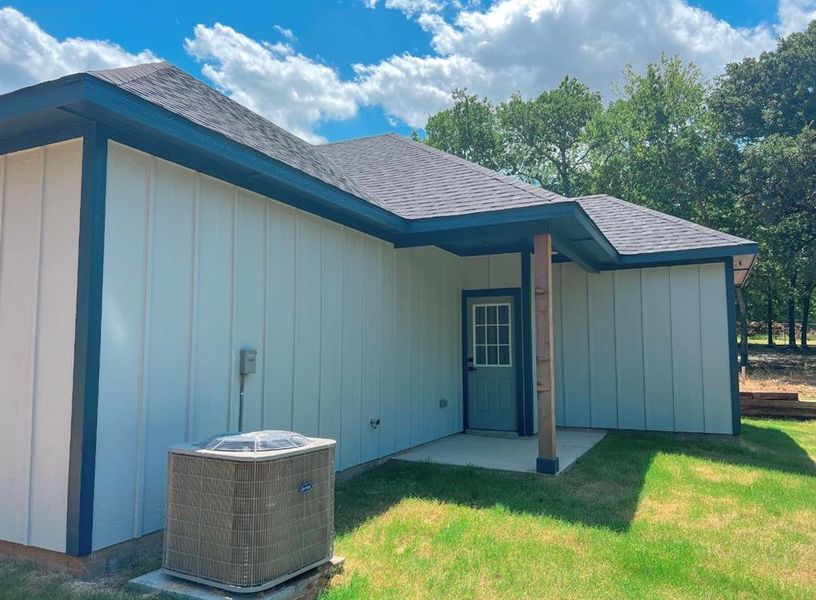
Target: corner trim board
x: 87, y: 345
x: 730, y: 299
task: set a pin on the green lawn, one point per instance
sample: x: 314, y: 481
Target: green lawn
x: 642, y: 515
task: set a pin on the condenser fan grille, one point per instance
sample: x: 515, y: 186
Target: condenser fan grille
x: 244, y: 524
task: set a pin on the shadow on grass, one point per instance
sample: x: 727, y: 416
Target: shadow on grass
x: 602, y: 490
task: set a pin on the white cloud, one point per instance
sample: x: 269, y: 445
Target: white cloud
x: 290, y: 89
x: 512, y: 45
x: 530, y: 45
x: 414, y: 7
x: 508, y: 46
x: 29, y: 55
x: 795, y: 15
x: 287, y: 33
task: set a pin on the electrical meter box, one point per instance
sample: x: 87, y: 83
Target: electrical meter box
x: 248, y: 357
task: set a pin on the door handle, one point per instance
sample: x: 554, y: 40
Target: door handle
x: 470, y: 366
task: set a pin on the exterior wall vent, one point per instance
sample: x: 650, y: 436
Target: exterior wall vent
x: 248, y: 511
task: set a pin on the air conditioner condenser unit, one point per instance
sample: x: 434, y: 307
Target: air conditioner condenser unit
x: 248, y: 511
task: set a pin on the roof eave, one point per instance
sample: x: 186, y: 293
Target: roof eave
x: 575, y: 234
x: 135, y: 121
x: 688, y: 255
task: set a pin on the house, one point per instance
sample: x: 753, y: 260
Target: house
x: 152, y: 228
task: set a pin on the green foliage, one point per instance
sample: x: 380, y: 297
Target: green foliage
x: 774, y: 94
x: 779, y: 175
x: 468, y: 129
x: 548, y: 139
x: 667, y: 152
x: 768, y: 106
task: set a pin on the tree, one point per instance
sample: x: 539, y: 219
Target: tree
x: 548, y: 139
x: 772, y: 94
x: 779, y: 180
x: 468, y: 129
x: 768, y: 107
x: 668, y: 152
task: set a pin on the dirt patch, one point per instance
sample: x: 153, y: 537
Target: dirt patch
x: 781, y: 370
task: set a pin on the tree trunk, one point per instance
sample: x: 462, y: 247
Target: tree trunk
x: 792, y: 312
x: 770, y: 317
x: 806, y: 316
x: 743, y: 319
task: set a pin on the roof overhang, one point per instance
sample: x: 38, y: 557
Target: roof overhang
x: 575, y: 235
x: 84, y: 99
x: 65, y: 107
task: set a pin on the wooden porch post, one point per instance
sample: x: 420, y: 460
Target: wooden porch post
x: 547, y: 461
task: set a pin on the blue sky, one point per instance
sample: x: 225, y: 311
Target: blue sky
x: 294, y: 60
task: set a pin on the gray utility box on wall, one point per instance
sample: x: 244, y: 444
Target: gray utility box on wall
x: 248, y: 511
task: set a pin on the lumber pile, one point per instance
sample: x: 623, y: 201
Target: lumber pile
x: 784, y: 405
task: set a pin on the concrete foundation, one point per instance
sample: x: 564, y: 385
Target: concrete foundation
x: 303, y: 587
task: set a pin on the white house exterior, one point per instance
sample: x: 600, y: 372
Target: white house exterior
x: 142, y: 246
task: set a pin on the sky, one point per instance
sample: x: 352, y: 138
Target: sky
x: 336, y: 69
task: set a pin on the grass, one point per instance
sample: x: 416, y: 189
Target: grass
x: 19, y: 581
x: 779, y: 340
x: 641, y: 516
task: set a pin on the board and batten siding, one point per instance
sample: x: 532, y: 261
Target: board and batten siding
x: 491, y: 271
x: 642, y: 348
x: 347, y: 329
x: 40, y: 193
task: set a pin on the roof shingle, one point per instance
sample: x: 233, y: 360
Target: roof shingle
x: 635, y: 229
x: 417, y: 181
x: 404, y: 177
x: 171, y: 88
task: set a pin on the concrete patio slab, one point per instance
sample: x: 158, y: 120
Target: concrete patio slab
x: 505, y: 454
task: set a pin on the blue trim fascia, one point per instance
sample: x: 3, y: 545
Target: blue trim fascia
x: 565, y: 249
x: 732, y: 348
x: 510, y: 216
x: 680, y: 257
x: 161, y: 122
x: 659, y: 259
x: 528, y: 343
x: 44, y: 137
x: 42, y: 96
x: 518, y: 357
x: 597, y: 235
x: 87, y: 344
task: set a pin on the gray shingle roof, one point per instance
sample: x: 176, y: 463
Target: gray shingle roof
x: 416, y: 181
x: 171, y: 88
x: 407, y: 178
x: 635, y: 229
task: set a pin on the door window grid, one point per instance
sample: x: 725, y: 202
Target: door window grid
x: 491, y: 335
